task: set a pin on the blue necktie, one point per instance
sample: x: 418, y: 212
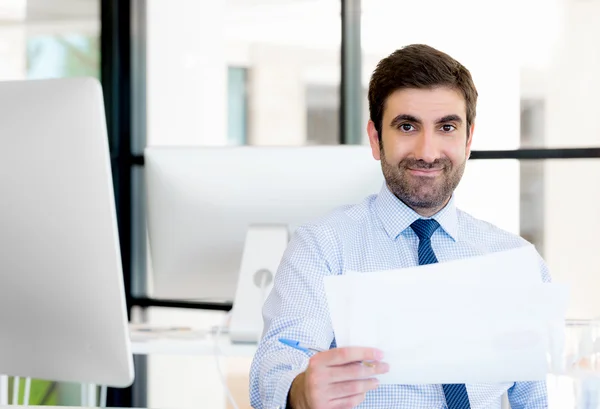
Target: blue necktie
x: 456, y: 394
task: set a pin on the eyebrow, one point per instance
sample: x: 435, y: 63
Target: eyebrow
x: 404, y: 117
x: 410, y: 118
x: 450, y: 118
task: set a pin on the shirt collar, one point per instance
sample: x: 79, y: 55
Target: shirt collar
x: 397, y: 217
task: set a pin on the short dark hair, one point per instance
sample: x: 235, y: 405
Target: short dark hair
x: 418, y: 66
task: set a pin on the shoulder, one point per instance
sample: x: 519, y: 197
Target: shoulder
x: 323, y: 239
x: 342, y: 219
x: 340, y: 223
x: 491, y: 238
x: 483, y: 233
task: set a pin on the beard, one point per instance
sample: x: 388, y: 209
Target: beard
x: 422, y: 192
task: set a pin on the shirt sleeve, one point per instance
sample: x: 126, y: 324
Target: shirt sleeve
x: 528, y: 395
x: 544, y: 271
x: 296, y: 308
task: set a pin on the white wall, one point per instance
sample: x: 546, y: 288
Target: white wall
x: 572, y: 188
x: 186, y: 73
x: 13, y: 47
x: 277, y: 96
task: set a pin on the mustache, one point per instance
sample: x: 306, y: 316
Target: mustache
x: 419, y: 164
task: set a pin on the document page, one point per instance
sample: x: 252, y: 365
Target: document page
x: 480, y: 320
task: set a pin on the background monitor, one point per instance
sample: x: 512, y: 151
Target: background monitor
x: 201, y: 202
x: 62, y: 302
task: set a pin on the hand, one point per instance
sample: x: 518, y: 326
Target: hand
x: 336, y: 379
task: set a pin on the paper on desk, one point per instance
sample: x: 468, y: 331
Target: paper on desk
x: 450, y: 329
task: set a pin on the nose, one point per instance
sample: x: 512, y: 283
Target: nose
x: 425, y: 148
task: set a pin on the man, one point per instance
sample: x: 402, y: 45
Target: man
x: 422, y: 113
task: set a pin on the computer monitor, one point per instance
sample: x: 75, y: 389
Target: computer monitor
x: 215, y: 211
x: 62, y: 302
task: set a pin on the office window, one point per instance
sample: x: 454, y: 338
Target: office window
x: 59, y: 56
x: 322, y: 115
x: 237, y: 105
x: 49, y: 39
x: 194, y: 52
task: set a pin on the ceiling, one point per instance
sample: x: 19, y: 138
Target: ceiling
x: 53, y: 10
x: 316, y: 22
x: 48, y: 10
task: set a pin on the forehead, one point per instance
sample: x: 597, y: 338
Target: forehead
x: 428, y: 104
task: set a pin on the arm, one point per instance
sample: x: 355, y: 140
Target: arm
x: 528, y: 395
x: 297, y: 309
x: 531, y: 395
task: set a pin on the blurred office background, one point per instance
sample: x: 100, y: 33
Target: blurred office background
x: 295, y: 72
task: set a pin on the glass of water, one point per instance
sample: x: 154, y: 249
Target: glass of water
x: 574, y: 365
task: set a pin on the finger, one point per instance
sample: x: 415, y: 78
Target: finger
x: 356, y: 371
x: 351, y: 388
x: 348, y: 402
x: 342, y: 356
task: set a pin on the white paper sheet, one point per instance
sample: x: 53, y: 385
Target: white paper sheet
x: 520, y: 265
x: 445, y: 326
x: 339, y: 297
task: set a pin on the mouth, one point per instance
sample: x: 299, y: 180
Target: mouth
x: 425, y: 172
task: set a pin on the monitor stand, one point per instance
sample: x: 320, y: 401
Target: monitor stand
x: 263, y: 249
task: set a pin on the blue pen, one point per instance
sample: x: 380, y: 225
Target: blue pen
x: 299, y: 346
x: 305, y: 348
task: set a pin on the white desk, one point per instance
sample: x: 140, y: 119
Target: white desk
x: 52, y: 407
x: 159, y: 342
x: 174, y: 344
x: 202, y: 343
x: 187, y: 343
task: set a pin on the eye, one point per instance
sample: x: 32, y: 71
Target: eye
x: 406, y: 127
x: 448, y: 128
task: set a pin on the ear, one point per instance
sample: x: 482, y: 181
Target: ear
x: 470, y: 140
x: 374, y: 140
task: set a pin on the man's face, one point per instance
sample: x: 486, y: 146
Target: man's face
x: 424, y: 146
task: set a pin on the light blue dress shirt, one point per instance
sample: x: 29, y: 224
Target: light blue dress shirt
x: 370, y: 236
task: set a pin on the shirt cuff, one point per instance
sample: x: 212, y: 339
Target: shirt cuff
x: 283, y: 388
